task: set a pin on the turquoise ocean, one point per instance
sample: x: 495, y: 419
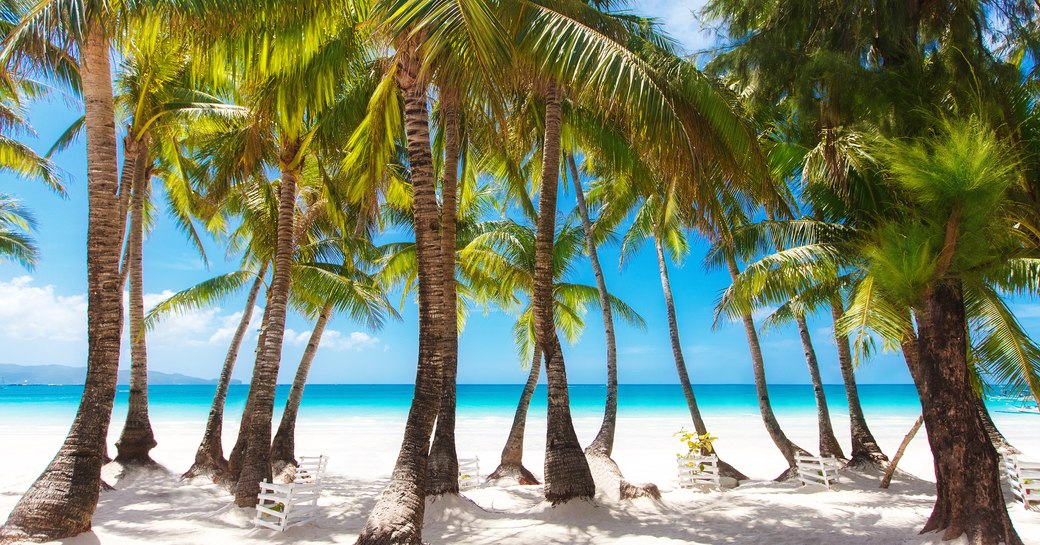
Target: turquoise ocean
x: 192, y: 402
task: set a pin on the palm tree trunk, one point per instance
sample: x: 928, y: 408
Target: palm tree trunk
x: 891, y: 469
x: 786, y: 446
x: 511, y: 465
x: 444, y: 461
x: 603, y: 444
x: 256, y: 464
x: 725, y: 469
x: 969, y: 499
x: 398, y: 514
x: 567, y: 474
x: 238, y: 451
x: 828, y: 442
x: 283, y: 449
x: 209, y: 458
x: 61, y: 502
x: 865, y: 450
x: 137, y: 438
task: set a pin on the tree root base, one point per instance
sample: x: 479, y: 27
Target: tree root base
x: 630, y: 491
x: 515, y: 472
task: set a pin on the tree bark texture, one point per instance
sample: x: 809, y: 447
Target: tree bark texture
x: 567, y: 474
x: 137, y: 438
x: 828, y: 442
x: 865, y: 451
x: 969, y: 499
x: 61, y: 502
x: 397, y: 517
x: 444, y: 460
x: 238, y: 451
x: 256, y: 464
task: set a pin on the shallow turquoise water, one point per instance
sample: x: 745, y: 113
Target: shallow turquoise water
x: 192, y: 402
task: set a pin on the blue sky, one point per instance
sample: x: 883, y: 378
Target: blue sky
x: 43, y: 312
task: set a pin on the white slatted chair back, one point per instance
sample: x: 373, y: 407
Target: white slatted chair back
x: 821, y: 470
x: 282, y: 506
x: 1024, y: 478
x: 469, y: 472
x: 311, y: 469
x: 697, y: 471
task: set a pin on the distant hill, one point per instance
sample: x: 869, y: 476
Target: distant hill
x: 64, y: 374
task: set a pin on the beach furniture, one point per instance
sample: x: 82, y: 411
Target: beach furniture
x: 697, y: 471
x: 817, y: 469
x: 1024, y: 478
x: 284, y: 505
x: 469, y: 472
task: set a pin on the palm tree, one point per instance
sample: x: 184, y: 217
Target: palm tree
x: 498, y: 265
x: 41, y: 515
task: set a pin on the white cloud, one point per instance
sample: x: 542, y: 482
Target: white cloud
x: 334, y: 340
x: 29, y: 312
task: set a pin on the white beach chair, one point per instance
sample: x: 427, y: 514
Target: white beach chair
x: 817, y: 469
x: 697, y: 471
x: 469, y: 472
x: 283, y: 506
x: 311, y: 469
x: 1024, y: 478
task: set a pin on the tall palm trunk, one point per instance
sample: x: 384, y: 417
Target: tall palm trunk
x: 865, y: 450
x: 283, y: 449
x: 680, y: 363
x: 209, y: 458
x: 969, y: 499
x: 137, y: 438
x: 599, y: 451
x: 828, y: 442
x: 238, y: 451
x: 256, y: 464
x: 397, y: 516
x: 567, y: 474
x: 511, y: 465
x: 61, y: 502
x: 786, y: 446
x: 603, y: 444
x: 444, y: 461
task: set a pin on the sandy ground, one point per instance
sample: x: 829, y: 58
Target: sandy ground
x: 159, y: 508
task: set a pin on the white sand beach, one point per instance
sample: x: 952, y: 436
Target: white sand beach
x: 158, y: 508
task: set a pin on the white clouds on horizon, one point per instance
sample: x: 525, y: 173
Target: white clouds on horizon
x: 30, y: 313
x: 334, y: 340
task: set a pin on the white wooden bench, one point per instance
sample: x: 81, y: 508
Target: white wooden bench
x: 697, y: 471
x: 284, y: 505
x: 817, y: 469
x: 469, y: 472
x: 1024, y: 478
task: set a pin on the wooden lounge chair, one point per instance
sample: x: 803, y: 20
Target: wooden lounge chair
x: 283, y: 506
x: 699, y: 471
x: 1024, y: 478
x: 817, y: 469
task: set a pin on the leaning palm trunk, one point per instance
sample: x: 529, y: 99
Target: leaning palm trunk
x: 786, y: 446
x: 61, y: 502
x: 969, y: 500
x: 137, y: 438
x: 511, y: 465
x: 397, y: 516
x: 599, y: 451
x: 890, y: 471
x: 209, y: 458
x: 444, y: 461
x: 256, y: 464
x: 865, y: 450
x: 828, y: 442
x: 725, y: 469
x: 283, y: 449
x: 567, y: 474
